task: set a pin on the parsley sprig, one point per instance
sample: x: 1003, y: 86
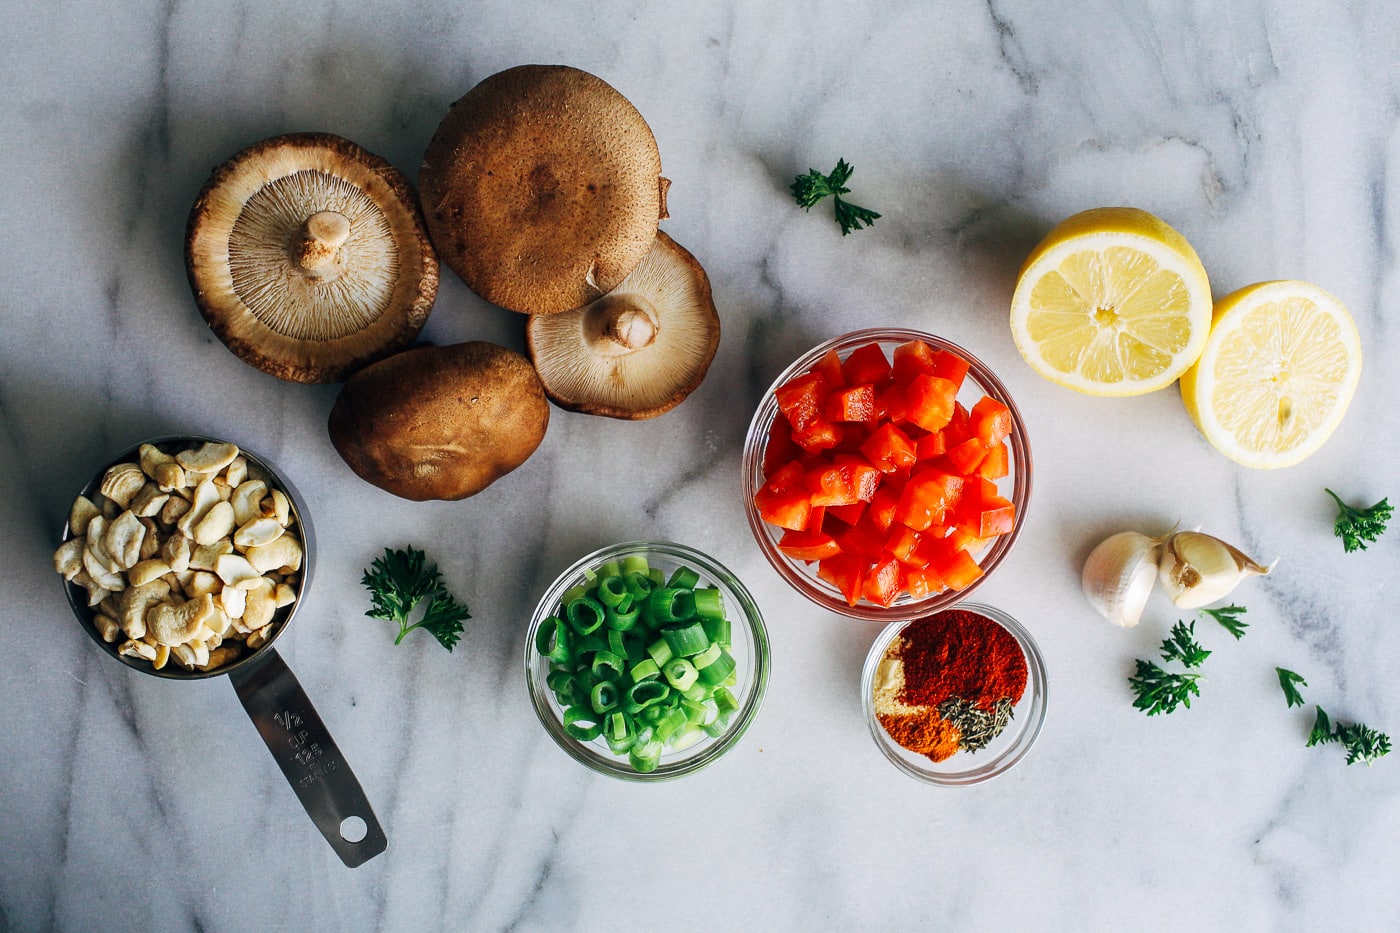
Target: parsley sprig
x: 402, y: 579
x: 1290, y: 682
x: 1363, y: 744
x: 1229, y: 618
x: 810, y: 189
x: 1162, y: 691
x: 1359, y: 527
x: 1182, y: 646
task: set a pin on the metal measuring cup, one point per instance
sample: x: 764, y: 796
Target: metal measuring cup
x: 269, y: 691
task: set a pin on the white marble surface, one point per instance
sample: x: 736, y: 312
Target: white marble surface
x: 1267, y: 133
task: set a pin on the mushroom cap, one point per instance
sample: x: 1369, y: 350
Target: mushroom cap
x: 542, y: 188
x: 308, y: 257
x: 440, y: 422
x: 638, y: 351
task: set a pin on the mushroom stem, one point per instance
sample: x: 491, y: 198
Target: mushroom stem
x: 316, y: 251
x: 618, y: 324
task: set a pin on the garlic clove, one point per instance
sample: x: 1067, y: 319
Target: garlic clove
x: 1197, y: 569
x: 1118, y: 576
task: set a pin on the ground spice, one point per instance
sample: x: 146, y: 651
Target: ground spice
x: 948, y: 682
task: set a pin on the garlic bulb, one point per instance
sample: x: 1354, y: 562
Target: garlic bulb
x: 1119, y: 574
x: 1198, y: 569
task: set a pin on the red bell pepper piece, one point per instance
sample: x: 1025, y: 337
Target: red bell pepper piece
x: 921, y: 582
x: 853, y: 404
x: 843, y: 481
x: 997, y: 463
x: 882, y: 582
x: 808, y: 545
x: 929, y: 401
x: 910, y: 359
x: 830, y: 368
x: 816, y: 434
x: 800, y: 399
x: 781, y: 449
x: 950, y: 366
x: 889, y: 449
x: 786, y: 508
x: 902, y: 543
x: 846, y: 572
x: 884, y: 504
x: 850, y: 514
x: 866, y: 364
x: 930, y: 446
x: 927, y: 497
x: 967, y: 456
x: 864, y: 539
x: 990, y: 420
x: 955, y: 567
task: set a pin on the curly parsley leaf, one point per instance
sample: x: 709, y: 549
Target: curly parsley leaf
x: 1290, y: 682
x: 1229, y: 619
x: 810, y: 189
x: 1364, y: 745
x: 1162, y: 691
x: 1182, y: 646
x: 1359, y: 527
x: 401, y: 580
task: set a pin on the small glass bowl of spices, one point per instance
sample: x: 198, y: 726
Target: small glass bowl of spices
x: 956, y: 697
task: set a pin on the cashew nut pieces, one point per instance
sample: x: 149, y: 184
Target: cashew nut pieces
x: 187, y: 555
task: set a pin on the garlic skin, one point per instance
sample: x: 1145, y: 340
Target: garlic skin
x: 1118, y: 576
x: 1197, y: 569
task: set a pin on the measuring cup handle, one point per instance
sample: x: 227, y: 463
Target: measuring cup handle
x: 308, y: 756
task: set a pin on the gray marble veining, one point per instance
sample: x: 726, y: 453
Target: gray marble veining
x: 1266, y: 133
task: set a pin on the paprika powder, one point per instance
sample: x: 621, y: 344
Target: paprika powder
x: 948, y: 682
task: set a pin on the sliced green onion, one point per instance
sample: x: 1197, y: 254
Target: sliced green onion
x: 581, y: 724
x: 647, y: 692
x: 618, y: 726
x: 725, y: 700
x: 709, y: 604
x: 687, y: 736
x: 604, y: 696
x: 635, y: 563
x: 607, y: 666
x: 698, y: 692
x: 560, y: 680
x: 718, y: 727
x: 585, y: 614
x: 707, y: 657
x: 611, y: 590
x: 608, y: 568
x: 645, y: 669
x: 669, y: 724
x: 684, y: 577
x: 575, y: 592
x: 719, y: 669
x: 639, y: 584
x: 686, y: 640
x: 658, y: 578
x: 680, y: 673
x: 645, y: 758
x: 717, y: 631
x: 623, y: 617
x: 660, y: 651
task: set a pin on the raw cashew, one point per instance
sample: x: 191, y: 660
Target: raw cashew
x: 205, y: 498
x: 233, y: 600
x: 138, y: 649
x: 122, y: 540
x: 68, y: 559
x: 122, y: 482
x: 146, y: 571
x: 176, y: 552
x: 204, y: 555
x: 246, y: 501
x: 237, y: 472
x: 175, y: 508
x: 162, y: 468
x: 83, y: 511
x: 216, y: 524
x: 149, y: 501
x: 235, y: 570
x: 135, y: 602
x: 283, y: 555
x: 174, y: 625
x: 211, y: 457
x: 261, y: 604
x: 258, y: 532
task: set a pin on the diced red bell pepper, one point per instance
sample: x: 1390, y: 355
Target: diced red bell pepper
x: 996, y: 519
x: 816, y: 519
x: 830, y: 368
x: 966, y: 538
x: 816, y: 434
x: 889, y: 449
x: 902, y: 543
x: 850, y: 514
x: 800, y: 399
x: 997, y: 463
x: 808, y: 545
x: 864, y: 539
x: 929, y: 401
x: 786, y: 508
x: 927, y: 496
x: 853, y: 404
x: 910, y: 359
x: 846, y: 572
x: 843, y: 481
x: 950, y: 366
x: 930, y: 446
x: 958, y: 428
x: 955, y: 567
x: 791, y: 475
x: 921, y: 582
x: 781, y: 449
x: 882, y: 582
x: 884, y: 504
x: 990, y: 420
x: 866, y: 364
x: 965, y: 457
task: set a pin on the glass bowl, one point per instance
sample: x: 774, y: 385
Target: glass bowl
x: 802, y: 576
x: 749, y: 649
x: 1028, y: 714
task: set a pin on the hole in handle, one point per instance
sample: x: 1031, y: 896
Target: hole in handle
x: 353, y: 829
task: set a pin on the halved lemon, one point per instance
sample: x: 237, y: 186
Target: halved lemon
x: 1112, y: 302
x: 1277, y: 374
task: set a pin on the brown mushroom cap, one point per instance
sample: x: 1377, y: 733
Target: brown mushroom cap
x: 638, y: 351
x: 440, y: 422
x: 308, y: 257
x: 542, y: 188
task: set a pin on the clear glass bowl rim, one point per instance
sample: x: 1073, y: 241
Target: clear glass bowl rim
x: 1034, y: 702
x: 705, y: 753
x: 822, y: 593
